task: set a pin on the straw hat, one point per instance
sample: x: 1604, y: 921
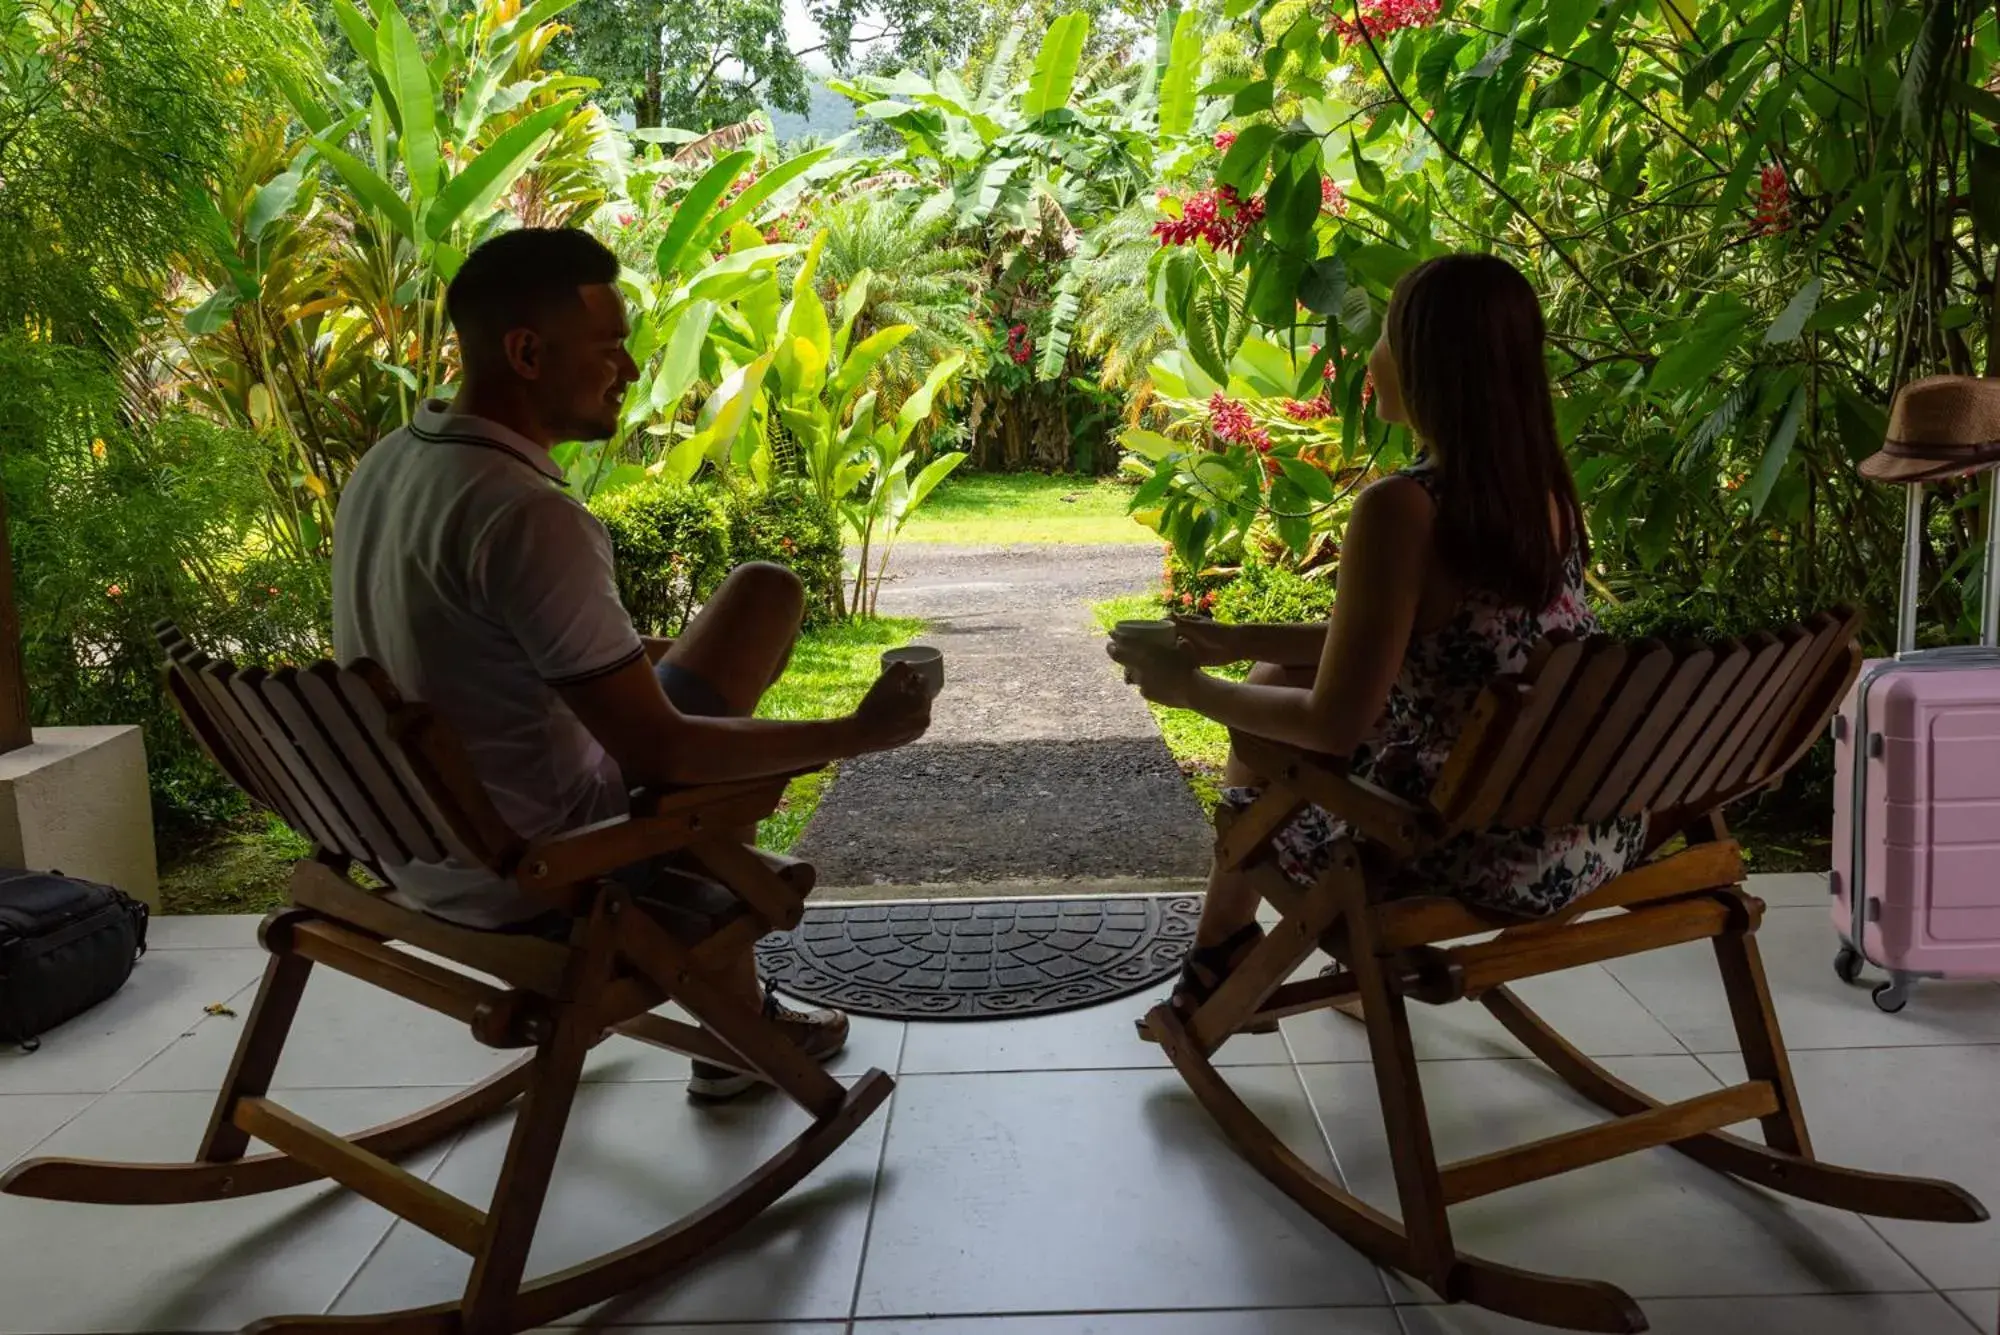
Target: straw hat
x: 1945, y: 426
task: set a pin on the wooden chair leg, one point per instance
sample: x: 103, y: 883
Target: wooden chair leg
x: 523, y: 1186
x: 257, y: 1051
x: 1764, y: 1056
x: 671, y: 967
x: 1400, y: 1091
x: 1574, y: 1304
x: 1886, y: 1195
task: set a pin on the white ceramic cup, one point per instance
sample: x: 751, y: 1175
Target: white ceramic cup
x: 928, y: 662
x: 1160, y: 637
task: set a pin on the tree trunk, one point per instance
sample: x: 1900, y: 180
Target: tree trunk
x: 647, y: 113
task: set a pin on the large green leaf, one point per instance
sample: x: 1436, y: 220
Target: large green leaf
x: 360, y: 33
x: 272, y: 201
x: 1000, y: 68
x: 523, y: 24
x: 1050, y: 85
x: 918, y: 406
x: 1777, y: 451
x: 692, y: 215
x: 1243, y: 165
x: 722, y: 418
x: 867, y: 354
x: 763, y: 188
x: 925, y: 482
x: 1921, y: 93
x: 1177, y: 86
x: 1791, y: 321
x: 373, y: 191
x: 805, y: 315
x: 471, y: 194
x: 1698, y: 350
x: 681, y: 361
x: 416, y: 103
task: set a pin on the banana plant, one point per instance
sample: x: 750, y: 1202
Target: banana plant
x: 439, y: 150
x: 879, y: 515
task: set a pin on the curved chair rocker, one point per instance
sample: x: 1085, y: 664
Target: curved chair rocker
x: 1589, y: 730
x: 375, y: 781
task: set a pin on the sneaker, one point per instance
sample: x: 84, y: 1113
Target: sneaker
x: 821, y: 1034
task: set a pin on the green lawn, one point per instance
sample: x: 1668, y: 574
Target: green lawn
x: 992, y: 509
x: 1199, y: 745
x: 244, y: 867
x: 830, y: 671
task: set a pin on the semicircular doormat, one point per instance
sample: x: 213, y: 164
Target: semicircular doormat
x: 980, y: 959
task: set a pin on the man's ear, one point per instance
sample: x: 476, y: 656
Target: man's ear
x: 523, y: 348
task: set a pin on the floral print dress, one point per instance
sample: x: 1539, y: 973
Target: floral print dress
x: 1530, y: 872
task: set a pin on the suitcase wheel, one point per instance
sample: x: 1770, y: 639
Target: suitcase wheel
x: 1847, y: 964
x: 1891, y: 996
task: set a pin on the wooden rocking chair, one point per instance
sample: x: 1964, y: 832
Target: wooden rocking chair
x: 376, y: 781
x: 1590, y: 730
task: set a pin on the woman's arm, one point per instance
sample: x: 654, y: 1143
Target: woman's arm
x: 1381, y: 581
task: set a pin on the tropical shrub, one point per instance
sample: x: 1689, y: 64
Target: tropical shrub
x: 671, y: 542
x: 787, y: 523
x: 1274, y: 593
x: 1748, y: 230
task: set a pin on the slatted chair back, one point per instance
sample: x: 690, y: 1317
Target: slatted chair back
x: 1596, y: 728
x: 340, y: 757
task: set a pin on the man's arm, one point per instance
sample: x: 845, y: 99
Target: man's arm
x: 656, y: 745
x: 656, y: 647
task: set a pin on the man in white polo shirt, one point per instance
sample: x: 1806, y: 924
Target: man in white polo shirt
x: 464, y: 568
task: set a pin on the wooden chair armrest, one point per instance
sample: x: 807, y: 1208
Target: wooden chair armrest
x: 1373, y: 813
x: 555, y: 868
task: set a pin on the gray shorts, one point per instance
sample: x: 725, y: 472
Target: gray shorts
x: 685, y: 901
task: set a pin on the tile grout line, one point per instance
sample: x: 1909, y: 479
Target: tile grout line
x: 1333, y: 1157
x: 375, y: 1247
x: 875, y: 1187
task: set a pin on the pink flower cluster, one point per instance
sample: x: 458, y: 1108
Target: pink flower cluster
x: 1309, y: 410
x: 1019, y: 346
x: 1230, y: 423
x: 1220, y: 216
x: 1332, y: 199
x: 1379, y: 18
x: 1774, y: 202
x: 1223, y: 140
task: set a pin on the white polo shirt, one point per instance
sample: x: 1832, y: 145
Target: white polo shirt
x: 463, y: 567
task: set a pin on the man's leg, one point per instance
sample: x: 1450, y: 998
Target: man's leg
x: 739, y: 643
x: 731, y: 653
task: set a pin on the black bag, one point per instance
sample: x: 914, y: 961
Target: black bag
x: 65, y: 945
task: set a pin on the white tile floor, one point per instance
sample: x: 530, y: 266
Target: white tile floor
x: 1035, y: 1177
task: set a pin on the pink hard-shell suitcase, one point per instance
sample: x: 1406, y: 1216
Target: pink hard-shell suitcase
x: 1916, y: 825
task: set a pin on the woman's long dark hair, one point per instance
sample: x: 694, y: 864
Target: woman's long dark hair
x: 1467, y: 332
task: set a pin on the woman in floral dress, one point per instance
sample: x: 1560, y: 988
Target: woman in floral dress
x: 1450, y: 571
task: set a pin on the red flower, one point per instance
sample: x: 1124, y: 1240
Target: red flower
x: 1271, y: 468
x: 113, y: 591
x: 1230, y: 423
x: 1223, y: 139
x: 1019, y: 346
x: 1187, y: 600
x: 1309, y: 410
x: 1774, y: 202
x: 1332, y: 199
x: 1380, y: 18
x: 1207, y: 601
x: 1219, y: 216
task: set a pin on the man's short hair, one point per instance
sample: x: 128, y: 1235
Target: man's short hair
x: 518, y: 278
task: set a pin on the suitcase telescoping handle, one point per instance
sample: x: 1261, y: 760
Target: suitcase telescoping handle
x: 1913, y: 550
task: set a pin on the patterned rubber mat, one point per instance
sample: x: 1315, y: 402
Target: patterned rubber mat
x: 969, y: 959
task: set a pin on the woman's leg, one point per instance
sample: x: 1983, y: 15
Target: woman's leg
x: 1231, y: 902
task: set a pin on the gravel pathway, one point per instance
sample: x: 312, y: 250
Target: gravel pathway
x: 1040, y: 762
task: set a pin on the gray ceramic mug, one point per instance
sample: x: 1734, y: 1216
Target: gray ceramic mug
x: 928, y: 662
